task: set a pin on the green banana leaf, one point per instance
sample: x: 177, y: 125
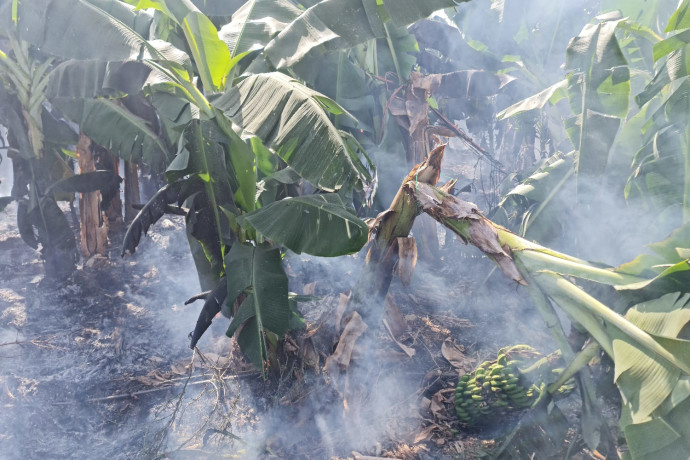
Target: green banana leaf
x: 79, y: 29
x: 256, y: 23
x: 552, y: 94
x: 339, y: 24
x: 211, y: 56
x: 320, y: 225
x: 257, y: 271
x: 598, y: 91
x: 87, y: 79
x: 218, y: 7
x: 289, y: 118
x: 680, y: 18
x: 115, y: 128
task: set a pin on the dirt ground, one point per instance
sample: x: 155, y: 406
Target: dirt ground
x: 100, y: 366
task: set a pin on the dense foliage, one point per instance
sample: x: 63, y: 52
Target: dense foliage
x: 267, y: 119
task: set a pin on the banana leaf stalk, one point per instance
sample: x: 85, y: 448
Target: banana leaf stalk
x: 649, y: 368
x: 546, y: 267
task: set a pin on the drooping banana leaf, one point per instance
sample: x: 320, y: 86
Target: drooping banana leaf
x: 218, y: 7
x: 117, y: 129
x: 42, y: 221
x: 255, y: 23
x: 212, y: 306
x: 528, y: 202
x: 599, y: 92
x: 675, y: 67
x: 148, y: 215
x: 291, y: 119
x: 320, y: 225
x: 342, y: 24
x: 552, y: 94
x: 79, y: 29
x: 76, y: 78
x: 107, y: 182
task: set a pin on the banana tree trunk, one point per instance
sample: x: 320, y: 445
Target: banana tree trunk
x: 393, y: 223
x: 114, y: 210
x: 94, y: 229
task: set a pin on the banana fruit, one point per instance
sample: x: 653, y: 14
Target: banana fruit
x: 510, y: 383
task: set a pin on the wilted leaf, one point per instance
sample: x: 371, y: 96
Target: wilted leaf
x: 149, y: 215
x: 454, y: 355
x: 212, y: 306
x: 409, y: 351
x: 340, y: 359
x: 396, y: 320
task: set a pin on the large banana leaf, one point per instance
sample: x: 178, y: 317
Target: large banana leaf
x: 662, y: 167
x: 336, y: 75
x: 149, y: 215
x: 552, y: 94
x: 597, y: 55
x: 343, y: 23
x: 320, y: 225
x: 675, y: 67
x: 218, y: 7
x: 115, y: 128
x: 210, y: 54
x: 42, y: 220
x: 599, y: 92
x: 256, y: 23
x: 405, y: 12
x: 529, y: 201
x: 680, y: 18
x: 290, y: 118
x: 86, y: 79
x: 79, y: 29
x: 258, y: 272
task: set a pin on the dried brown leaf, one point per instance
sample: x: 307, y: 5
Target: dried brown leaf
x: 343, y: 301
x: 409, y: 351
x: 438, y: 408
x: 309, y: 289
x: 426, y: 433
x: 340, y: 359
x: 454, y: 355
x: 396, y: 320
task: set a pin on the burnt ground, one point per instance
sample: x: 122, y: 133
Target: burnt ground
x: 99, y: 366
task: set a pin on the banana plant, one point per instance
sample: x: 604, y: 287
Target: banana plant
x: 597, y: 88
x: 221, y: 142
x: 641, y: 329
x: 42, y: 175
x: 661, y: 168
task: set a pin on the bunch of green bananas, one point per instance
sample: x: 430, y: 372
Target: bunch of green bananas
x: 511, y: 382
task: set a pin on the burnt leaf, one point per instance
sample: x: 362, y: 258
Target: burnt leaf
x: 211, y: 308
x: 107, y: 182
x: 149, y: 215
x: 5, y: 201
x: 26, y: 230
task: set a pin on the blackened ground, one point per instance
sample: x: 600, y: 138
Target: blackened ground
x: 99, y: 367
x: 65, y: 345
